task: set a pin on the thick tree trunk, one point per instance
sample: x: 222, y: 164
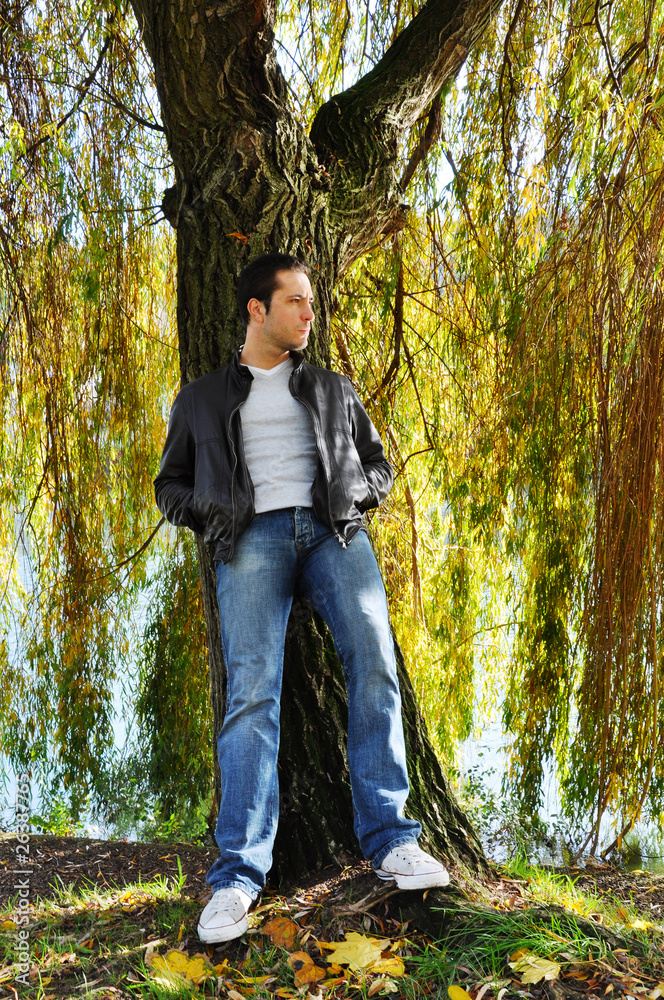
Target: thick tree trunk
x: 249, y: 181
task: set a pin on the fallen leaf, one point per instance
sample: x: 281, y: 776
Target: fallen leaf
x: 234, y: 995
x: 177, y: 963
x: 306, y: 971
x: 382, y: 986
x: 8, y: 925
x: 282, y: 930
x: 458, y: 993
x: 532, y: 968
x: 393, y: 966
x: 357, y: 950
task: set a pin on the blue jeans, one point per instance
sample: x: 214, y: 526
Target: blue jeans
x: 279, y: 553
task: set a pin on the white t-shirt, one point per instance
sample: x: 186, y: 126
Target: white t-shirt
x: 279, y: 441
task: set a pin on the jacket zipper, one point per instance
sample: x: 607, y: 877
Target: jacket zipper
x: 320, y: 456
x: 234, y: 521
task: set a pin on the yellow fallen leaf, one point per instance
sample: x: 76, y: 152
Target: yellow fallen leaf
x: 8, y: 925
x: 196, y: 969
x: 457, y: 992
x: 357, y: 950
x: 282, y: 930
x: 657, y: 992
x: 199, y: 969
x: 164, y: 975
x: 393, y: 966
x: 531, y: 968
x: 234, y: 995
x: 382, y: 986
x: 285, y: 993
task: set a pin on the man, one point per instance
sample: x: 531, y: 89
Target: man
x: 275, y: 462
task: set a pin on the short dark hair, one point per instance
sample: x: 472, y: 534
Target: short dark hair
x: 258, y: 280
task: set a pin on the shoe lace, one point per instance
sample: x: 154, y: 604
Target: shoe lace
x: 226, y: 903
x: 410, y: 853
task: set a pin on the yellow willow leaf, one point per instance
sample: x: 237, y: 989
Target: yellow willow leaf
x: 393, y: 966
x: 458, y: 993
x: 531, y: 968
x: 357, y: 950
x: 382, y: 986
x: 8, y: 925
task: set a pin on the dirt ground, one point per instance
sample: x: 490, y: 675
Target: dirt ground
x: 56, y: 862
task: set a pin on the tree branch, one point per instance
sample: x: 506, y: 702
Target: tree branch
x: 82, y: 88
x: 431, y: 133
x: 356, y: 133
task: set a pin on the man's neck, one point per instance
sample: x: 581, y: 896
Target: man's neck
x: 255, y: 357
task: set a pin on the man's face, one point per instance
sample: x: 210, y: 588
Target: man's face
x: 287, y: 325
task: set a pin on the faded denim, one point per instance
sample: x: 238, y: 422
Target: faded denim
x: 280, y: 552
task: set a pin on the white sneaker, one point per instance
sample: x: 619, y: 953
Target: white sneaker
x: 225, y: 916
x: 412, y: 868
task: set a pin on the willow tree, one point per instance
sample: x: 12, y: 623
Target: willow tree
x: 250, y: 179
x: 507, y: 341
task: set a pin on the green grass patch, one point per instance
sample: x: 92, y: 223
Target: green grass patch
x: 101, y: 945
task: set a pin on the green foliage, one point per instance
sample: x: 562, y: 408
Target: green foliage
x: 173, y: 705
x: 86, y: 373
x: 57, y: 820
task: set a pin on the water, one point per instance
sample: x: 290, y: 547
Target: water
x: 484, y: 763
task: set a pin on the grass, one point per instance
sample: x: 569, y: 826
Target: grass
x: 102, y: 945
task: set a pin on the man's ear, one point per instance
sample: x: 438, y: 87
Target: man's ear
x: 256, y: 310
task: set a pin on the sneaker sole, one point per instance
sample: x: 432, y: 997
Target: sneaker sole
x: 432, y: 880
x: 215, y: 935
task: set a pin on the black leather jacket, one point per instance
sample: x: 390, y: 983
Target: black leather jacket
x: 204, y: 482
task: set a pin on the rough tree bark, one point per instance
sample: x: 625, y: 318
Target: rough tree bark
x: 248, y: 180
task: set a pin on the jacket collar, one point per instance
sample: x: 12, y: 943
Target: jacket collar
x: 244, y: 372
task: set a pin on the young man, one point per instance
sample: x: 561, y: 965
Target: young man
x: 275, y: 462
